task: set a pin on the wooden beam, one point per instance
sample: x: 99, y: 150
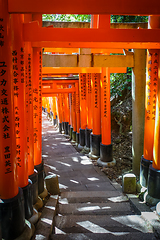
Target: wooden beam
x: 33, y: 33
x: 113, y: 60
x: 77, y: 70
x: 128, y: 7
x: 58, y: 90
x: 88, y: 60
x: 116, y: 45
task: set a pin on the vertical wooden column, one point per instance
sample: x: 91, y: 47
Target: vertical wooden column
x: 37, y: 109
x: 150, y: 105
x: 66, y: 114
x: 77, y: 112
x: 11, y: 203
x: 74, y: 116
x: 138, y: 110
x: 88, y: 111
x: 105, y: 147
x: 83, y: 116
x: 60, y: 111
x: 96, y: 117
x: 18, y: 71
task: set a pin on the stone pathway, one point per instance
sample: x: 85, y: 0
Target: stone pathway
x: 89, y: 206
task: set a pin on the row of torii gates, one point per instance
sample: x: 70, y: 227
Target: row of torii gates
x: 86, y: 53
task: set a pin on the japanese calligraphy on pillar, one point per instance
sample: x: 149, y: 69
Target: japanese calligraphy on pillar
x: 40, y: 86
x: 77, y: 99
x: 89, y: 89
x: 151, y: 85
x: 83, y: 86
x: 105, y: 86
x: 35, y: 113
x: 95, y: 83
x: 5, y: 106
x: 1, y: 33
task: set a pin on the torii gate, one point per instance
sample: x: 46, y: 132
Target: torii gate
x: 15, y: 66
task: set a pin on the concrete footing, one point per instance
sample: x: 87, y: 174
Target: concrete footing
x: 52, y: 184
x: 129, y: 183
x: 28, y: 232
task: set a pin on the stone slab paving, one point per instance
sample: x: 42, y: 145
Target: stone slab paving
x: 89, y: 206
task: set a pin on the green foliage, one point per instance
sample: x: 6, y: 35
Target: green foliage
x: 120, y: 82
x: 127, y: 18
x: 66, y: 17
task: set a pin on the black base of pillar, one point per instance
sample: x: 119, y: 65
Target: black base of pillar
x: 153, y: 182
x: 63, y: 126
x: 74, y: 136
x: 28, y: 200
x: 60, y: 127
x: 77, y: 138
x: 69, y: 129
x: 34, y: 179
x: 82, y: 137
x: 144, y: 169
x: 95, y: 144
x: 12, y: 216
x: 66, y: 128
x: 54, y: 122
x: 40, y: 170
x: 70, y: 133
x: 106, y: 154
x: 87, y: 137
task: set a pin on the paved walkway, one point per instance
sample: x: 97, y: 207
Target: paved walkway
x: 90, y: 206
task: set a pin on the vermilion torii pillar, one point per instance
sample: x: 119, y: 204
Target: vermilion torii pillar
x: 18, y: 71
x: 89, y: 111
x: 77, y: 112
x: 154, y: 168
x: 150, y: 106
x: 83, y: 116
x: 74, y: 116
x: 37, y: 110
x: 95, y: 137
x: 11, y: 197
x: 106, y: 157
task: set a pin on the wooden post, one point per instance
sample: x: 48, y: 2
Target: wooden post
x: 11, y: 203
x: 96, y: 116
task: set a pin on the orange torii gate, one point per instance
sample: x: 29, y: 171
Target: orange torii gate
x: 100, y: 37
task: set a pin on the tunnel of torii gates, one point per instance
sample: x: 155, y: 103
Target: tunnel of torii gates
x: 76, y: 76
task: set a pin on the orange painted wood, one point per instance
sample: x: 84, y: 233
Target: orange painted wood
x: 19, y: 98
x: 150, y: 102
x: 102, y: 44
x: 36, y: 134
x: 72, y: 70
x: 77, y: 107
x: 126, y: 7
x: 96, y: 104
x: 8, y: 160
x: 156, y: 148
x: 105, y: 107
x: 82, y: 97
x: 33, y: 33
x: 89, y: 100
x: 74, y: 112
